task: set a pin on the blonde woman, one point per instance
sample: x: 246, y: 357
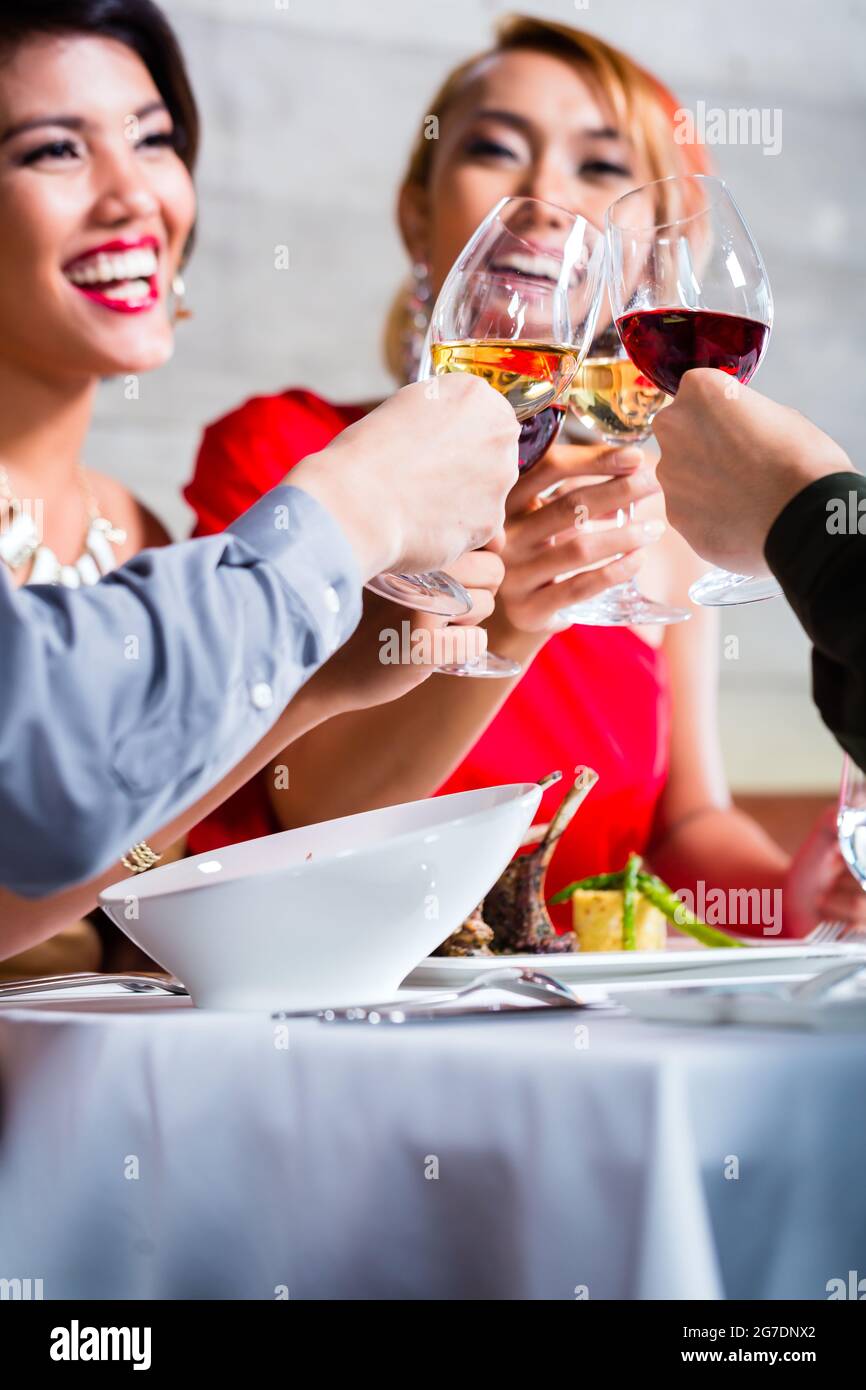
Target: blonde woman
x: 554, y: 113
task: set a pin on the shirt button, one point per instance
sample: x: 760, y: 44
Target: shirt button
x: 261, y: 695
x: 332, y: 599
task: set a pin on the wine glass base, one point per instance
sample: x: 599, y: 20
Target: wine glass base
x: 428, y: 593
x: 622, y: 606
x: 718, y: 588
x: 488, y: 667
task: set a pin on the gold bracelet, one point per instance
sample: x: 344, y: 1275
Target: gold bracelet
x: 140, y: 858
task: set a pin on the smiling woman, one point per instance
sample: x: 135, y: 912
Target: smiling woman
x: 98, y: 133
x: 98, y: 138
x: 556, y: 114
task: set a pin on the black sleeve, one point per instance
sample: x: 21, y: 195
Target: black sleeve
x: 817, y: 550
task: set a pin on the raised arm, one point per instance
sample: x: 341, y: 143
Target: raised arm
x: 817, y: 550
x: 121, y: 704
x: 772, y: 490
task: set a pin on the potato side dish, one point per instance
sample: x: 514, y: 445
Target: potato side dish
x: 597, y: 916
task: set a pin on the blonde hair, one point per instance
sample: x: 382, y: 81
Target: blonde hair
x: 641, y: 104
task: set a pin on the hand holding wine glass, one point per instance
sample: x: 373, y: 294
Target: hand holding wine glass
x: 819, y: 886
x: 689, y: 289
x: 451, y: 499
x: 360, y: 674
x: 563, y: 536
x: 757, y: 455
x: 517, y: 309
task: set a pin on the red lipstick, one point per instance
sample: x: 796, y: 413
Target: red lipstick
x: 83, y: 273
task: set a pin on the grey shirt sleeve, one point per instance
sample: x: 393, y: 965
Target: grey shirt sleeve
x: 122, y: 704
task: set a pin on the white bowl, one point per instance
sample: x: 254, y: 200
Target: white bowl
x: 329, y: 914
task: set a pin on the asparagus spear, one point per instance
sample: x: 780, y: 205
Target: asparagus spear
x: 676, y: 911
x: 596, y: 883
x: 662, y: 897
x: 629, y: 899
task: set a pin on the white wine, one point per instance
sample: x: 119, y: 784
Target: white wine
x: 529, y: 375
x: 611, y: 397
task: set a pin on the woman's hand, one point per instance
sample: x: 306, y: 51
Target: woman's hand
x: 395, y: 649
x: 819, y: 886
x: 547, y: 538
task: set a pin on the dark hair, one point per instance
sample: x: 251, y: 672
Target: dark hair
x: 139, y: 24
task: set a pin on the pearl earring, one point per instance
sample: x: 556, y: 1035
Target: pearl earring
x: 178, y: 289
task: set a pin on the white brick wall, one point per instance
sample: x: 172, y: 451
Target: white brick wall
x: 308, y: 109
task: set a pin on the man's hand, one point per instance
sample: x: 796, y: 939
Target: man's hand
x: 422, y: 479
x: 731, y: 461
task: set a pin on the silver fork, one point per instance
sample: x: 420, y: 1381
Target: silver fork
x: 135, y: 984
x: 827, y: 932
x: 514, y: 979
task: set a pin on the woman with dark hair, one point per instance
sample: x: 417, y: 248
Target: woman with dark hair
x: 98, y: 135
x: 122, y: 248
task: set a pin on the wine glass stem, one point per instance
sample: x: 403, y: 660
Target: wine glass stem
x: 627, y: 588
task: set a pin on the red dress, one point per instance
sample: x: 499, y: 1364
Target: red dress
x: 593, y: 695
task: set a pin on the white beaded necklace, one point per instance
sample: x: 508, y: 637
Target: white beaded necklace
x: 21, y: 544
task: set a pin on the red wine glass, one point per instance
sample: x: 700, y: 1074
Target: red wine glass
x: 689, y: 289
x: 538, y: 433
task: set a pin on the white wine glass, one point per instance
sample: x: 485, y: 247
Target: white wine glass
x: 688, y: 289
x: 518, y: 309
x: 612, y: 399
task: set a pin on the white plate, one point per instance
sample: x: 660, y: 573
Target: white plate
x: 676, y: 963
x: 716, y: 1005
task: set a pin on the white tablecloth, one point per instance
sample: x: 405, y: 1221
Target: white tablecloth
x: 150, y: 1150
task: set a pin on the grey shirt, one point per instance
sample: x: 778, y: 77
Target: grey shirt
x: 122, y: 704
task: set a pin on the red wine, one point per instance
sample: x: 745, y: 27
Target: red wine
x: 664, y: 344
x: 537, y: 434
